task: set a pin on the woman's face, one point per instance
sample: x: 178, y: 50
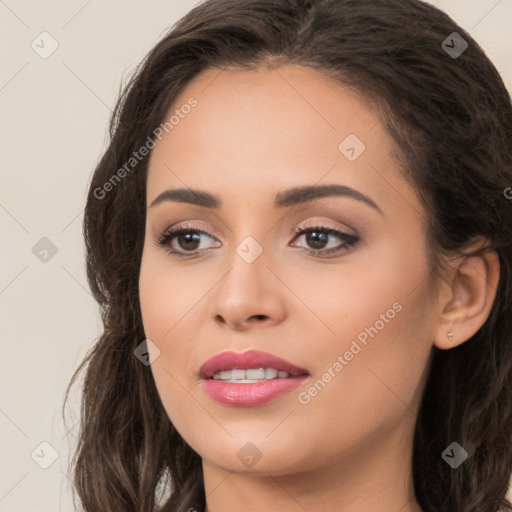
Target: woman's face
x: 353, y: 308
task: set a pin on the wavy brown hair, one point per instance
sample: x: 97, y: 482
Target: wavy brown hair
x: 451, y: 119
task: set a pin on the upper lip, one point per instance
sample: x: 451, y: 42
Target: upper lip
x: 245, y: 360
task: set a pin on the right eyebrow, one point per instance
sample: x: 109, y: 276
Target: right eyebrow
x: 188, y: 195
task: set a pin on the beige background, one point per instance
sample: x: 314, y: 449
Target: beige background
x: 53, y: 120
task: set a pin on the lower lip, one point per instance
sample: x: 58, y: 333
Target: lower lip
x: 250, y: 395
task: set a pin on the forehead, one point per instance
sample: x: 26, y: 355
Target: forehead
x: 268, y: 129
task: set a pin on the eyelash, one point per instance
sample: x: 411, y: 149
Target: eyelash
x: 164, y: 240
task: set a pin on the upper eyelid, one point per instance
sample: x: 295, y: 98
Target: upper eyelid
x: 301, y: 227
x: 311, y: 222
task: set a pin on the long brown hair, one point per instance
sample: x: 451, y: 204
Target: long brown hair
x: 451, y: 117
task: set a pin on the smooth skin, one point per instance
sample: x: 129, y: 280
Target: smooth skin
x: 252, y: 135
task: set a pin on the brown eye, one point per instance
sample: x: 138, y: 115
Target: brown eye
x: 318, y: 237
x: 183, y: 241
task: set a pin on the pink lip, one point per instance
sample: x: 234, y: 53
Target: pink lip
x: 245, y: 360
x: 249, y: 394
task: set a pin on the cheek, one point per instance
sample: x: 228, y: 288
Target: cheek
x: 383, y: 332
x: 167, y: 300
x: 377, y: 385
x: 166, y: 293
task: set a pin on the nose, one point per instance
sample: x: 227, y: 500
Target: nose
x: 248, y: 295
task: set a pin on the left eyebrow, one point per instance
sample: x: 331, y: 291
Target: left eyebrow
x: 300, y: 195
x: 286, y: 198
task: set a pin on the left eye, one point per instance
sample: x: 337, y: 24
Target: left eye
x: 189, y: 239
x: 318, y: 236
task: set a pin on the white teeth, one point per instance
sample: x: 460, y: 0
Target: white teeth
x: 271, y: 373
x: 240, y: 376
x: 257, y: 374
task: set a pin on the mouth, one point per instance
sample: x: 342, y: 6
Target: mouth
x: 252, y: 365
x: 249, y: 378
x: 250, y: 375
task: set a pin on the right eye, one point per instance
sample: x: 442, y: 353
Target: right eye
x: 188, y: 238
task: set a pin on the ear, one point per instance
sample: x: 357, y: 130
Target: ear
x: 467, y: 298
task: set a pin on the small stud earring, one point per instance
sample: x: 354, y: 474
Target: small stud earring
x: 450, y: 336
